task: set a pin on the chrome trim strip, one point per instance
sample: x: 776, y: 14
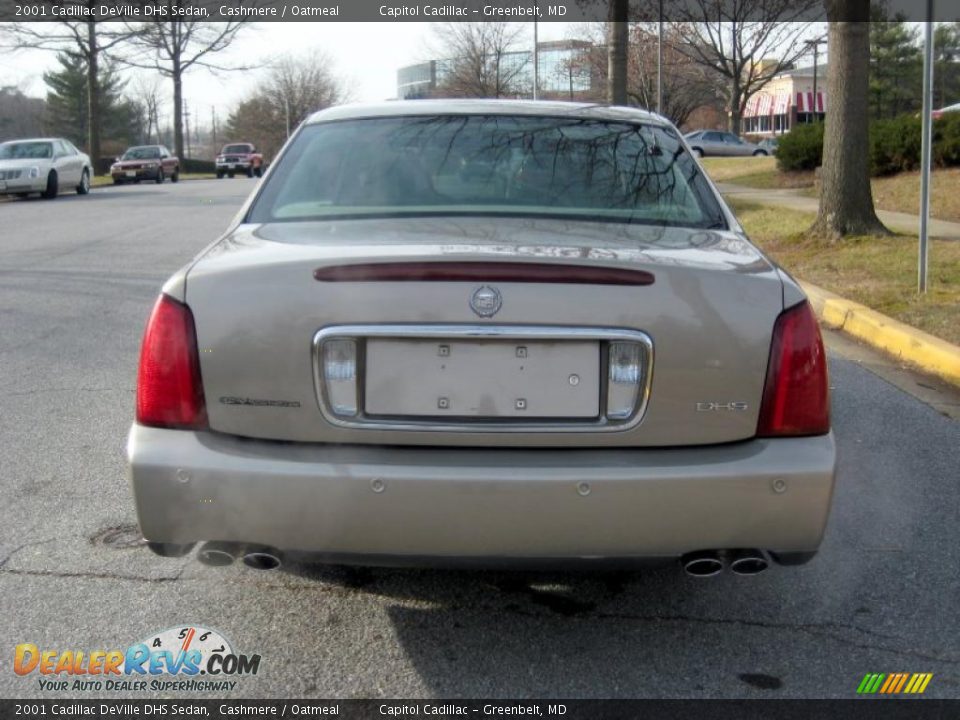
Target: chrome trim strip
x: 500, y: 332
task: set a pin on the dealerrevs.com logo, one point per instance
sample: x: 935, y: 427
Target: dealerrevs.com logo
x: 186, y: 658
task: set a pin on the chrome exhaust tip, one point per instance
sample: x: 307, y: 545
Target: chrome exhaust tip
x: 706, y: 563
x: 261, y: 558
x: 217, y: 554
x: 748, y: 562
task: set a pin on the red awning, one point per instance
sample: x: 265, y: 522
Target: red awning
x: 805, y: 103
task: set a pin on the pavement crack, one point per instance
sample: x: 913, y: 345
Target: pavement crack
x: 24, y: 546
x: 94, y: 575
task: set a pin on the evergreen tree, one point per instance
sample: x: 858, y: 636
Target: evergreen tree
x: 946, y: 46
x: 66, y: 114
x: 896, y: 66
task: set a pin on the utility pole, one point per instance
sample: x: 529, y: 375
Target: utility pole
x: 213, y: 128
x: 186, y: 121
x: 926, y: 136
x: 816, y: 54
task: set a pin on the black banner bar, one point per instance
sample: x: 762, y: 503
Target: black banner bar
x: 876, y: 709
x: 446, y: 10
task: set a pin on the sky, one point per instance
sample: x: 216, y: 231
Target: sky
x: 367, y: 55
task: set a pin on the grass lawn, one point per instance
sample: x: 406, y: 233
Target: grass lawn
x: 102, y: 180
x: 897, y: 193
x: 755, y: 172
x: 880, y: 273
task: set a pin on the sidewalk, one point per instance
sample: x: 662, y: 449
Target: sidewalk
x: 794, y: 199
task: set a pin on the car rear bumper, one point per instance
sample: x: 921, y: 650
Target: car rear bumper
x: 481, y: 503
x: 141, y: 174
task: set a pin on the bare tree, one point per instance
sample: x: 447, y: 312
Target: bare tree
x: 174, y: 47
x: 687, y: 85
x: 482, y: 60
x: 146, y: 93
x: 293, y: 88
x: 89, y: 40
x: 846, y: 199
x: 746, y: 42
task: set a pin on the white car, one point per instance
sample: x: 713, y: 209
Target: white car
x: 43, y: 165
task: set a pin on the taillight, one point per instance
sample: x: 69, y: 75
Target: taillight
x: 169, y: 388
x: 796, y: 397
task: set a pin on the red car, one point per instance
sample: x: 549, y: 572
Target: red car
x: 146, y: 162
x: 239, y: 157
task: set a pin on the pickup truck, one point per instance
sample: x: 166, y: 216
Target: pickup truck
x: 239, y: 157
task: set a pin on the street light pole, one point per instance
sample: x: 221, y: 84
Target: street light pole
x: 926, y: 135
x: 536, y: 61
x: 660, y: 58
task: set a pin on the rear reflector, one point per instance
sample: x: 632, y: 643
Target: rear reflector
x: 340, y: 375
x: 483, y: 272
x: 169, y: 388
x: 796, y: 396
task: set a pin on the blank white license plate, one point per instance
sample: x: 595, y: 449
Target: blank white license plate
x: 131, y: 173
x: 482, y: 378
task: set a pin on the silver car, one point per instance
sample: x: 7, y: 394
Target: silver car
x: 719, y: 143
x: 484, y: 332
x: 43, y: 165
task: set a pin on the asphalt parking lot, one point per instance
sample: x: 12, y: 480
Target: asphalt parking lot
x: 77, y: 279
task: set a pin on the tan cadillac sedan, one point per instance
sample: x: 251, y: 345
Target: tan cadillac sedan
x: 476, y: 332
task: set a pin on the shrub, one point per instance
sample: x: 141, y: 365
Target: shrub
x: 192, y: 165
x: 895, y: 145
x: 801, y: 148
x: 946, y: 140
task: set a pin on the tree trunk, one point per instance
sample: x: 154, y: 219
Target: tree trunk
x: 178, y: 111
x: 736, y: 93
x: 93, y: 95
x: 617, y: 30
x: 846, y: 200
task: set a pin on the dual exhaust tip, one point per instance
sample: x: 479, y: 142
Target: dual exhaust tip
x: 707, y: 563
x: 258, y: 557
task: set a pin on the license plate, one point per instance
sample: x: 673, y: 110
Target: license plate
x: 131, y: 173
x: 482, y: 379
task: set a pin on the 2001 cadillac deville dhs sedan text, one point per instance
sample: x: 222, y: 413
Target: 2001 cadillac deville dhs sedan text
x: 484, y: 332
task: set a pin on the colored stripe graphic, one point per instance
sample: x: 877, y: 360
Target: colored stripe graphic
x: 894, y: 683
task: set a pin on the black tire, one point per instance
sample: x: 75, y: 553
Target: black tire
x: 176, y: 175
x: 219, y: 174
x: 118, y: 181
x: 53, y: 186
x: 84, y: 187
x: 760, y: 153
x: 259, y: 171
x: 159, y: 179
x: 697, y: 152
x: 250, y: 171
x: 23, y: 195
x: 230, y: 175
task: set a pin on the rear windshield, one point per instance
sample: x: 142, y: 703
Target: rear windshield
x: 236, y: 149
x: 26, y: 151
x: 488, y: 165
x: 141, y: 153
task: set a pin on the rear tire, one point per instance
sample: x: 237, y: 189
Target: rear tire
x: 219, y: 174
x: 84, y: 187
x: 697, y: 152
x: 117, y: 181
x: 230, y: 175
x: 176, y: 175
x: 259, y: 171
x: 159, y: 179
x: 52, y: 186
x: 250, y: 171
x: 760, y: 153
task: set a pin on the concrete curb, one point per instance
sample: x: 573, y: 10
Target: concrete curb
x: 926, y: 352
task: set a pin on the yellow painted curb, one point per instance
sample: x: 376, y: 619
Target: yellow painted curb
x: 906, y: 343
